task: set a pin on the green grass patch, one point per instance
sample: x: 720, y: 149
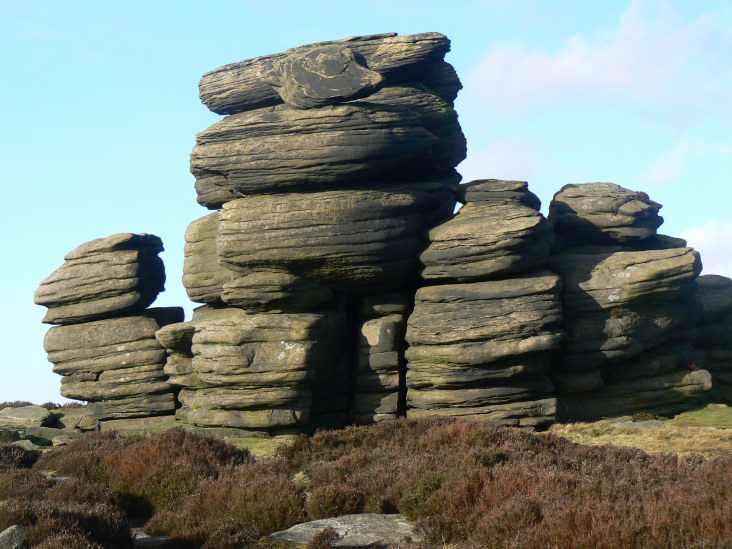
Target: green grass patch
x: 712, y: 415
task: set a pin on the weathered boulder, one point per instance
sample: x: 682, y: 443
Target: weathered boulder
x: 499, y: 191
x: 713, y: 297
x: 362, y: 530
x: 602, y: 277
x: 257, y: 370
x: 120, y: 274
x: 15, y: 537
x: 483, y: 322
x: 484, y: 349
x: 26, y: 416
x: 661, y: 394
x: 141, y: 405
x: 275, y: 291
x: 603, y: 213
x: 397, y: 134
x: 487, y: 240
x: 79, y: 419
x: 262, y: 81
x: 203, y: 276
x: 355, y: 241
x: 712, y: 336
x: 117, y: 361
x: 619, y: 303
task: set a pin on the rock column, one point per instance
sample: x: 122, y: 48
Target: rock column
x: 331, y: 162
x: 104, y: 346
x: 487, y: 321
x: 628, y: 297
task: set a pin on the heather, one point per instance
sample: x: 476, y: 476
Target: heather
x: 464, y: 483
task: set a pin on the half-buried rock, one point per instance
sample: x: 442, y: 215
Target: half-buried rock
x: 106, y: 277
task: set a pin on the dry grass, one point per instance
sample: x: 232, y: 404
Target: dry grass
x: 706, y: 432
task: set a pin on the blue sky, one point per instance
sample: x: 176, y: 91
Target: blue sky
x: 100, y: 108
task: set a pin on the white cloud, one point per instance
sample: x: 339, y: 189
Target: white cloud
x: 671, y: 165
x: 713, y: 241
x: 502, y: 159
x: 651, y: 59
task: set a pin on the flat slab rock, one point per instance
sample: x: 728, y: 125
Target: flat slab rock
x: 366, y: 530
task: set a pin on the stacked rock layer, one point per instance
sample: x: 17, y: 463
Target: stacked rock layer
x: 712, y: 335
x: 338, y: 286
x: 483, y: 335
x: 332, y: 162
x: 628, y: 296
x: 104, y: 346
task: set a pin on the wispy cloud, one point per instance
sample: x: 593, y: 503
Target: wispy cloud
x: 502, y: 159
x: 671, y: 165
x: 713, y: 240
x: 652, y: 59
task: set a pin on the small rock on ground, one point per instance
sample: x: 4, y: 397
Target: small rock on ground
x: 365, y: 530
x: 14, y: 538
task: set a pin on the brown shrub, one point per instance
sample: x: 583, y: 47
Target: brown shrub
x: 256, y: 499
x: 476, y: 485
x: 95, y: 522
x: 22, y: 484
x: 147, y: 473
x: 86, y: 457
x: 12, y: 456
x: 68, y: 540
x: 161, y: 471
x: 324, y: 539
x: 15, y: 404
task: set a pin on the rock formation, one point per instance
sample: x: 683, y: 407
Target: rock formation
x: 712, y: 335
x: 627, y: 295
x: 337, y: 285
x: 483, y: 337
x: 104, y: 346
x: 332, y: 162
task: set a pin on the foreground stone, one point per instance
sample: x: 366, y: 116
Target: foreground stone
x: 14, y: 537
x: 366, y: 530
